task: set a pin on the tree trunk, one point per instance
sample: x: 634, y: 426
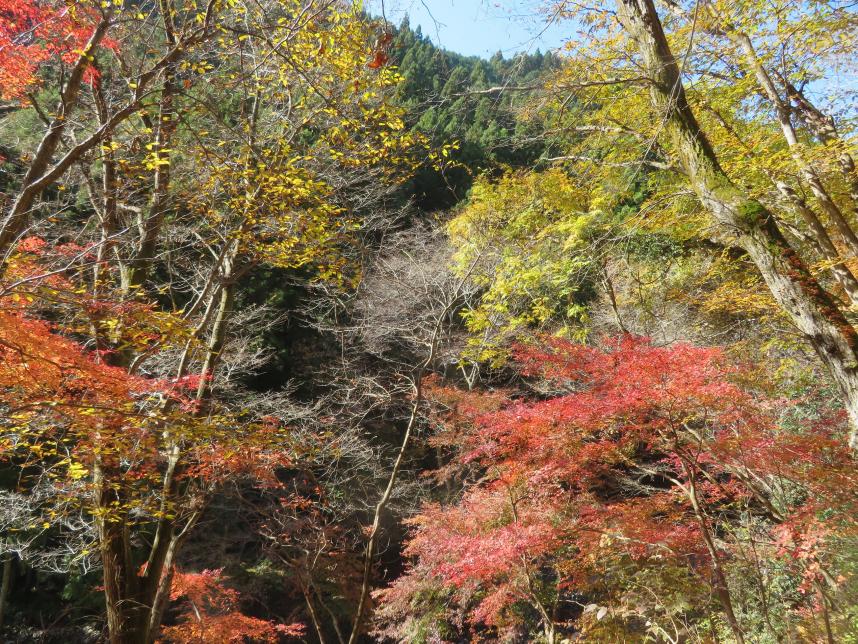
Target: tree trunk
x: 826, y: 617
x: 6, y: 585
x: 550, y: 633
x: 822, y: 126
x: 135, y: 598
x: 330, y: 613
x: 119, y: 579
x: 782, y: 111
x: 808, y: 305
x: 722, y: 590
x: 216, y: 340
x: 150, y: 221
x: 108, y: 219
x: 159, y: 591
x: 369, y: 552
x: 313, y: 617
x: 818, y: 237
x: 155, y: 586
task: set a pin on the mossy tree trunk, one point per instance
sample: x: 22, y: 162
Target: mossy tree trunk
x: 811, y: 309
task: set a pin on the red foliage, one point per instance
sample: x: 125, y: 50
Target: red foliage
x: 380, y: 56
x: 211, y: 614
x: 68, y: 407
x: 33, y: 32
x: 612, y: 468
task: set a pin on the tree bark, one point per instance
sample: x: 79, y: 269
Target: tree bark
x: 313, y: 617
x: 6, y: 584
x: 149, y: 223
x: 115, y: 560
x: 782, y: 112
x: 155, y: 586
x: 811, y: 309
x: 823, y: 127
x: 722, y: 590
x: 217, y: 337
x: 109, y: 184
x: 818, y: 237
x: 136, y: 599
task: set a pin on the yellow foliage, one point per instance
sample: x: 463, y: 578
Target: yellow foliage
x: 523, y: 241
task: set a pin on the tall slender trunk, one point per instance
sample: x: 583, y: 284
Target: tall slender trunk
x: 119, y: 579
x: 550, y: 633
x: 369, y: 552
x: 782, y: 112
x: 612, y: 297
x: 826, y: 617
x: 136, y: 600
x: 109, y: 184
x: 149, y: 223
x: 150, y: 220
x: 155, y: 593
x: 217, y: 337
x: 809, y: 306
x: 313, y: 616
x: 151, y: 595
x: 6, y: 584
x: 722, y: 590
x: 823, y: 127
x: 331, y: 615
x: 159, y: 591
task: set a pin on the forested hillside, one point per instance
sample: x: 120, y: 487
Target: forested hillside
x: 457, y: 100
x: 312, y: 331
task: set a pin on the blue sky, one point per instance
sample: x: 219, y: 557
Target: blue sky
x: 477, y: 27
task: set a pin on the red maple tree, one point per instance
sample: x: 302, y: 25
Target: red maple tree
x: 107, y: 438
x: 34, y: 32
x: 210, y: 613
x: 626, y: 469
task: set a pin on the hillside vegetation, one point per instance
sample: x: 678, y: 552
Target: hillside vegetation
x: 313, y: 331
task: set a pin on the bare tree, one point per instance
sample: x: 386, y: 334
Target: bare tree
x: 401, y: 326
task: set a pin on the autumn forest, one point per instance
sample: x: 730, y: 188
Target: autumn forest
x: 312, y: 330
